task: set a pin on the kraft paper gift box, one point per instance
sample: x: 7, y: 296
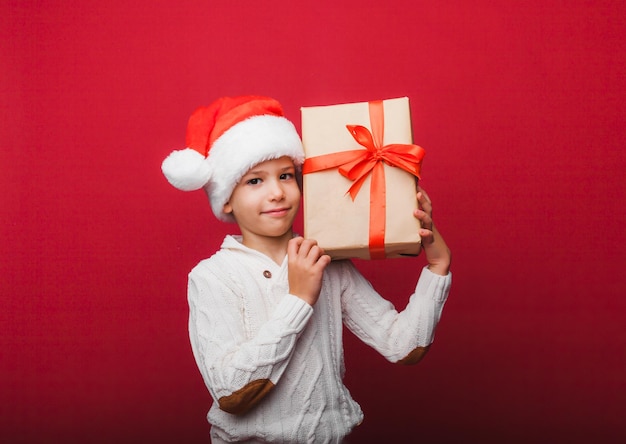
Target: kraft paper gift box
x: 360, y: 177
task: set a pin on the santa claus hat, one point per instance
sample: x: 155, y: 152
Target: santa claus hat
x: 225, y: 140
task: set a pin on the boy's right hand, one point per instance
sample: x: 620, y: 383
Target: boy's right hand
x: 306, y: 262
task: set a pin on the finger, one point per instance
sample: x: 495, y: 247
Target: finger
x: 426, y: 221
x: 423, y: 195
x: 320, y: 263
x: 306, y: 246
x: 423, y: 192
x: 424, y: 202
x: 293, y: 246
x: 309, y: 249
x: 427, y: 236
x: 315, y: 253
x: 323, y: 261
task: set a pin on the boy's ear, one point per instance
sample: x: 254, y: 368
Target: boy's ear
x: 228, y: 208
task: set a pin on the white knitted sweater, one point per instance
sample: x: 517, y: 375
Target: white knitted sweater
x: 244, y: 326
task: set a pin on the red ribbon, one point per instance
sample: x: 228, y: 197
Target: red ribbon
x: 356, y: 165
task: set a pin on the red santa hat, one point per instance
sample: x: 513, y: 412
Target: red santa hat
x: 225, y: 140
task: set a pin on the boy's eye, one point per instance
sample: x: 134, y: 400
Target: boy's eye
x: 286, y: 176
x: 254, y: 181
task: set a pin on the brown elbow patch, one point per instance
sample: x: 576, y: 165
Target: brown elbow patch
x: 415, y: 356
x: 246, y: 397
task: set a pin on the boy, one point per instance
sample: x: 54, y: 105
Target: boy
x: 266, y: 310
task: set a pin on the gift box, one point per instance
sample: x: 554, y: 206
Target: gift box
x: 360, y: 177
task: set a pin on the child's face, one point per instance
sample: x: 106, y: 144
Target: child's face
x: 265, y: 201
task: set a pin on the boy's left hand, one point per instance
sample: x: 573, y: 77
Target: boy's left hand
x: 433, y: 244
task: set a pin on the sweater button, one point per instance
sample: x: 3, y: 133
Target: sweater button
x: 267, y: 274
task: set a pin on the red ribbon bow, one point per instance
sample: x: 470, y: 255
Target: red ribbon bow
x: 356, y: 165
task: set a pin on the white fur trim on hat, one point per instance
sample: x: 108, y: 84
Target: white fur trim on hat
x: 187, y: 169
x: 244, y: 145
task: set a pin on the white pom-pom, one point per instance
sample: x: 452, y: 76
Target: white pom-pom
x: 186, y: 169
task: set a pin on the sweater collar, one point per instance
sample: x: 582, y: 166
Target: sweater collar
x: 233, y: 243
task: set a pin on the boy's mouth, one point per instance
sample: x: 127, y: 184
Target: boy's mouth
x: 277, y: 211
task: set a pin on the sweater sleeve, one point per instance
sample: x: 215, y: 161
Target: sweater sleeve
x: 402, y: 337
x: 240, y: 370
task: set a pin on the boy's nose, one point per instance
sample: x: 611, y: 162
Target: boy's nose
x: 277, y: 191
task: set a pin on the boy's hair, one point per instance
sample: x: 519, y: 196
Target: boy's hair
x: 225, y: 140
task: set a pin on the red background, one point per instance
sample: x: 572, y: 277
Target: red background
x: 520, y: 106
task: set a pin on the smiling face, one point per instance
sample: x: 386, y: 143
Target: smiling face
x: 265, y: 202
